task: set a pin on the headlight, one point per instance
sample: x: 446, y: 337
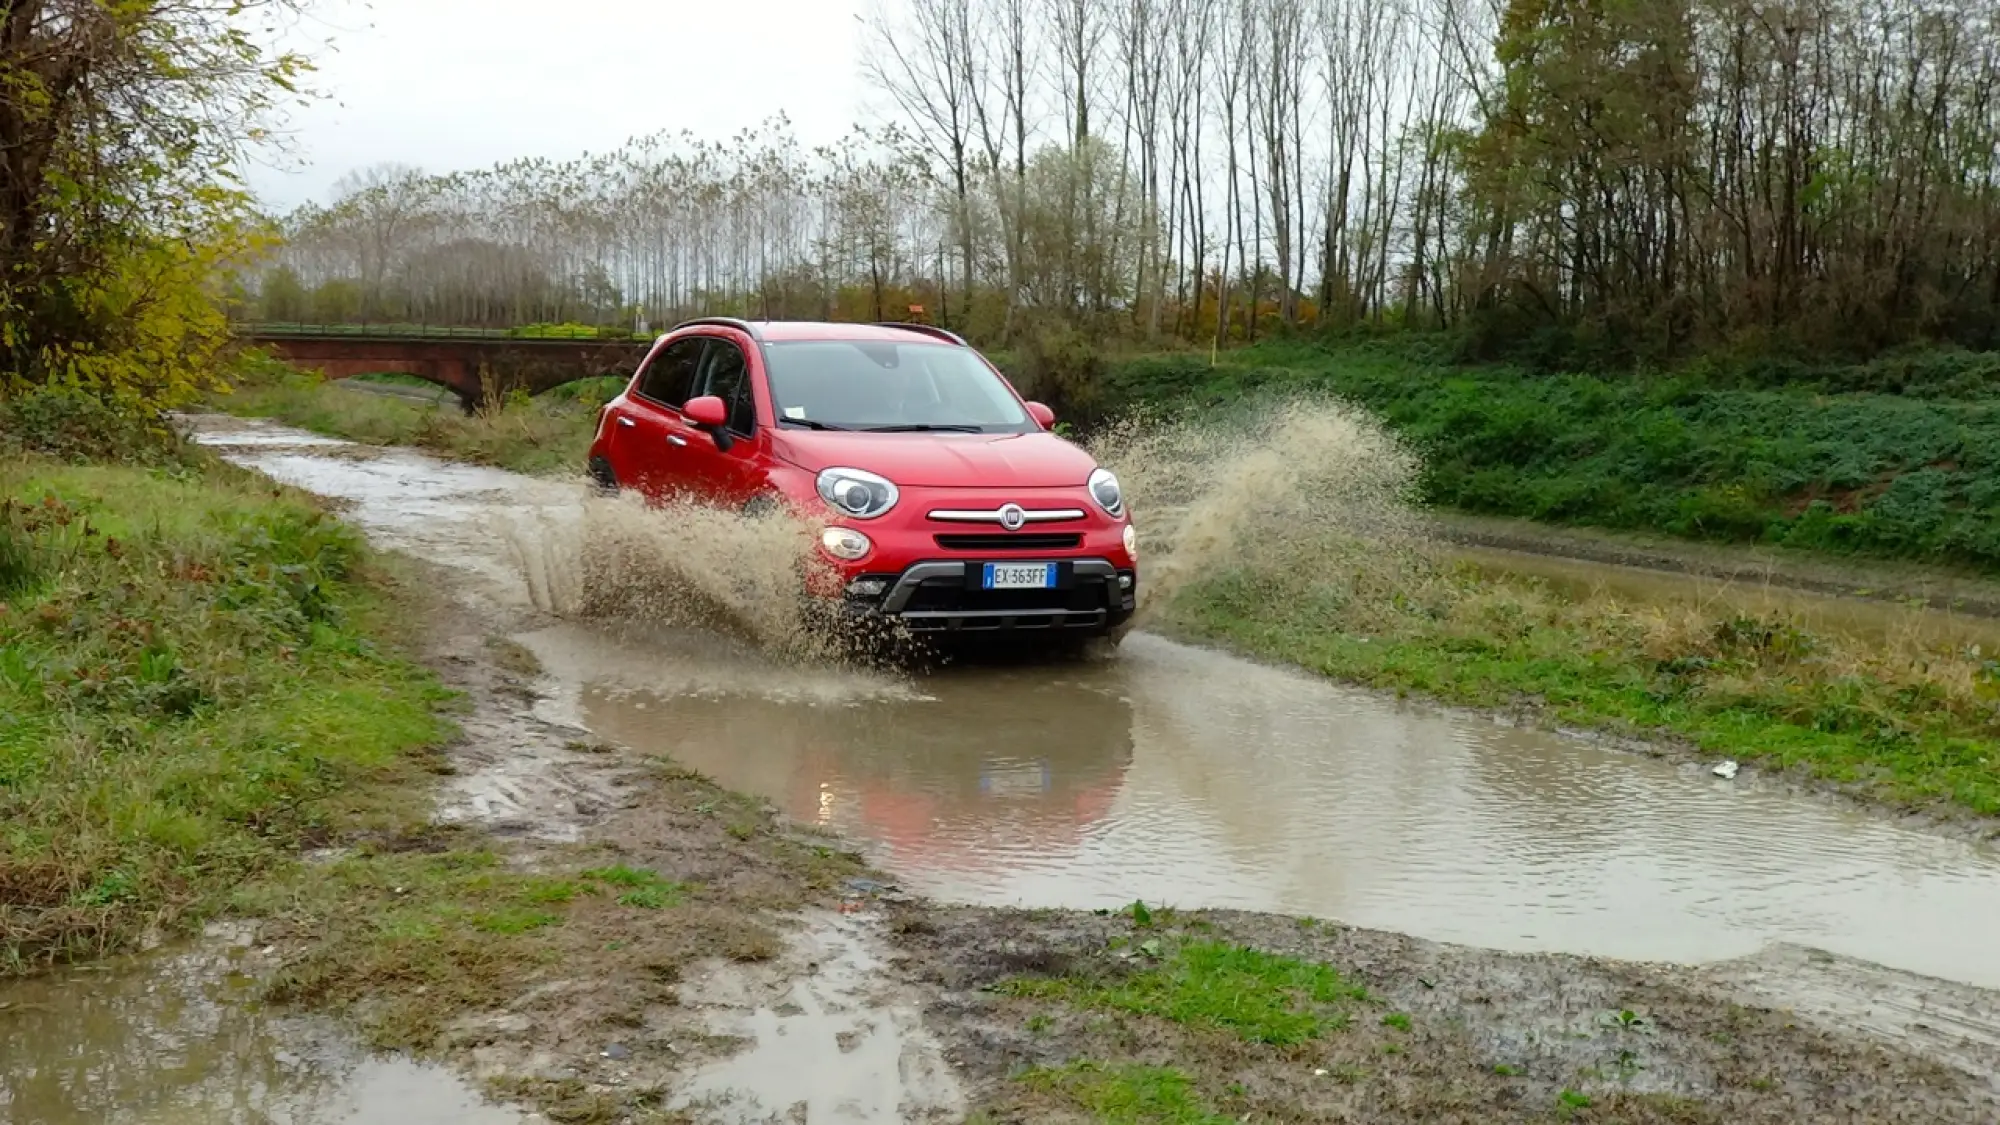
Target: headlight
x: 1104, y: 489
x: 856, y: 493
x: 844, y: 543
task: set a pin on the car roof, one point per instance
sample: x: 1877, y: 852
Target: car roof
x: 798, y: 331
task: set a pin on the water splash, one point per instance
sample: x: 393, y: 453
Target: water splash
x: 1287, y: 488
x: 749, y: 574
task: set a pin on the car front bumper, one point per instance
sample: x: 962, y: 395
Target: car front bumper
x: 946, y: 596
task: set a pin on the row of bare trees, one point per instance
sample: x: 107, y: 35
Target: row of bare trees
x: 1652, y: 174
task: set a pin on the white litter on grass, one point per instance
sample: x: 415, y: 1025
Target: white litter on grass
x: 1726, y: 771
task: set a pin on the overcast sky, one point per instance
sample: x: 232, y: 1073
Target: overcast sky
x: 452, y: 84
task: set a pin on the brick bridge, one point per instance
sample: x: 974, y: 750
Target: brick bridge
x: 472, y: 363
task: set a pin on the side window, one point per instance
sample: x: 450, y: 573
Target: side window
x: 728, y: 378
x: 669, y: 379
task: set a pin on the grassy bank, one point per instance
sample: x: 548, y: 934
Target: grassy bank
x: 1899, y: 458
x: 543, y: 434
x: 1909, y: 721
x: 192, y: 688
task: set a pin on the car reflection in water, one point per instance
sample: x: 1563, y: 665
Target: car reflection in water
x: 988, y: 770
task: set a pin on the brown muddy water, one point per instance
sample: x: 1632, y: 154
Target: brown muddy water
x: 1159, y: 771
x: 180, y: 1040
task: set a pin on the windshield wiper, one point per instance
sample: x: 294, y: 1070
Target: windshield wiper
x: 812, y: 425
x: 925, y: 428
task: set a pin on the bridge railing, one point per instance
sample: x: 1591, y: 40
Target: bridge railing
x: 274, y: 329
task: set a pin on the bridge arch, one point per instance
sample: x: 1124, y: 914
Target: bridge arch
x: 471, y: 368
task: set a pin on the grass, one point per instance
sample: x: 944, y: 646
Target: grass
x: 1900, y: 458
x: 413, y: 938
x: 1907, y: 721
x: 639, y: 887
x: 545, y: 434
x: 1257, y: 996
x: 193, y: 686
x: 397, y: 379
x: 1127, y: 1095
x: 1233, y: 1009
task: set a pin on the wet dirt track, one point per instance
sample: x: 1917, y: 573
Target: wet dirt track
x: 1165, y: 772
x: 1193, y: 778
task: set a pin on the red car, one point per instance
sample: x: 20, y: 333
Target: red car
x: 944, y: 500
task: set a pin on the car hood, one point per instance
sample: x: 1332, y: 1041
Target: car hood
x: 1038, y: 460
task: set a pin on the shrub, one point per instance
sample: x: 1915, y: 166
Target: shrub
x: 77, y: 426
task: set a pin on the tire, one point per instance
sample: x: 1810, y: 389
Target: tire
x: 601, y: 474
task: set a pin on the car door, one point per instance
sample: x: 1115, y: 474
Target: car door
x: 650, y: 439
x: 730, y: 477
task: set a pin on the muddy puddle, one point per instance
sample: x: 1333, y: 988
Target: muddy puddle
x: 179, y: 1039
x: 1189, y: 777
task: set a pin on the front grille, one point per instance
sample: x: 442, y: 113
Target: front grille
x: 1016, y: 542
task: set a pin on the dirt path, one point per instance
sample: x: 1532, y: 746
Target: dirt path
x: 787, y: 982
x: 1957, y: 590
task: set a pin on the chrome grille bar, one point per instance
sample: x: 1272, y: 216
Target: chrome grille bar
x: 1031, y: 515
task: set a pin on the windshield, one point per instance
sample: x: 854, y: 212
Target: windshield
x: 870, y: 385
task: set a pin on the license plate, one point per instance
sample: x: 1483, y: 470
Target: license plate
x: 1020, y: 576
x: 1014, y: 779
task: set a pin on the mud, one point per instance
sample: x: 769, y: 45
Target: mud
x: 1162, y: 772
x: 830, y: 1036
x: 1493, y: 1037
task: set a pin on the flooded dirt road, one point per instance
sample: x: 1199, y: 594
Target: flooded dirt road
x: 1161, y: 771
x: 1190, y: 777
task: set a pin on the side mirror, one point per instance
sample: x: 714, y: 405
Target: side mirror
x: 1042, y: 415
x: 711, y: 414
x: 708, y: 411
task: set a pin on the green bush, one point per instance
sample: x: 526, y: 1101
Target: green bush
x: 77, y: 426
x: 568, y: 330
x: 1059, y: 367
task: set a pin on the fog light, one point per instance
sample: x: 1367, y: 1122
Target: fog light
x: 1131, y: 540
x: 868, y: 587
x: 1124, y: 582
x: 844, y: 542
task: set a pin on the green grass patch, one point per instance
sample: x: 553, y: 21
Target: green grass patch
x: 550, y: 433
x: 1127, y: 1095
x: 639, y: 887
x: 1259, y: 997
x: 192, y: 687
x: 1908, y: 722
x: 397, y: 379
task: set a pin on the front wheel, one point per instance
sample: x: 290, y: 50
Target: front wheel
x: 602, y: 476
